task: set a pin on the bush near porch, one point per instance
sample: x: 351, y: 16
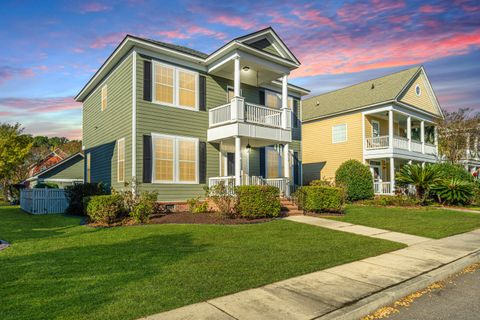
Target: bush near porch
x: 258, y: 201
x: 321, y: 199
x: 357, y: 180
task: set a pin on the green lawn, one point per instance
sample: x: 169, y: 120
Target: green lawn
x: 57, y: 269
x: 426, y: 222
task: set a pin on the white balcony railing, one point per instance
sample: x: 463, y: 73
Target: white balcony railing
x: 416, y: 146
x: 380, y: 142
x: 220, y: 114
x: 381, y: 187
x: 263, y: 115
x: 430, y: 148
x: 400, y: 142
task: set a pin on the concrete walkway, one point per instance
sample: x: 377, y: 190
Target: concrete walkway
x: 325, y: 294
x: 361, y: 230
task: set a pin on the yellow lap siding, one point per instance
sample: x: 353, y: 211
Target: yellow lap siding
x: 424, y: 101
x: 317, y: 143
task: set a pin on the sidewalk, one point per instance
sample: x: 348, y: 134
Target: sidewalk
x: 337, y: 291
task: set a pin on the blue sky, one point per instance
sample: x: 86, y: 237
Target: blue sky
x: 51, y: 49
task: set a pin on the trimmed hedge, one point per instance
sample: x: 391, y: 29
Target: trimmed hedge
x: 258, y: 202
x: 77, y: 192
x: 396, y: 201
x: 321, y: 199
x: 46, y: 185
x: 357, y: 180
x: 105, y: 208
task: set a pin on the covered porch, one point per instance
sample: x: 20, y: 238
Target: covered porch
x: 245, y: 161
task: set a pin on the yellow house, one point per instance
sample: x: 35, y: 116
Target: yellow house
x: 385, y: 123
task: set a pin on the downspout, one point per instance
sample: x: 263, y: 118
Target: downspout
x: 134, y: 120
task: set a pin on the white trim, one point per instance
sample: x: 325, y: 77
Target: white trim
x: 419, y: 93
x: 134, y: 115
x: 176, y: 139
x: 118, y: 159
x: 104, y: 96
x: 379, y: 128
x: 346, y: 133
x: 176, y: 86
x: 60, y: 180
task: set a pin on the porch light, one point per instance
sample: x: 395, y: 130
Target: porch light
x: 248, y: 147
x: 246, y: 68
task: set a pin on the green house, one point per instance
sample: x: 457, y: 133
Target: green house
x: 176, y: 120
x: 64, y: 173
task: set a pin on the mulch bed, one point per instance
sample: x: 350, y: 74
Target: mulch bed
x: 202, y: 218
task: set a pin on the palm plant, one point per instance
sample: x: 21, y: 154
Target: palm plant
x: 424, y: 178
x: 455, y: 191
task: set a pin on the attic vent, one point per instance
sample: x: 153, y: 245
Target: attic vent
x: 318, y: 103
x: 373, y: 86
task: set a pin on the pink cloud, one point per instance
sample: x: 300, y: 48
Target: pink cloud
x: 314, y: 16
x: 107, y: 40
x: 431, y: 9
x: 399, y: 19
x: 233, y: 21
x: 206, y: 32
x: 40, y: 105
x: 173, y: 34
x: 362, y: 11
x: 94, y: 7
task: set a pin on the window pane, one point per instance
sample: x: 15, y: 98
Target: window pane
x: 272, y: 163
x: 163, y: 159
x: 339, y: 133
x: 187, y: 161
x: 164, y: 84
x: 273, y: 100
x: 121, y: 171
x: 230, y: 94
x: 187, y: 89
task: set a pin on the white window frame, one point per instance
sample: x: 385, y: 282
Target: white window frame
x: 279, y: 96
x: 118, y: 159
x: 176, y: 162
x: 333, y: 131
x: 102, y: 97
x: 176, y: 86
x: 419, y: 93
x: 280, y: 161
x: 378, y: 123
x: 88, y: 168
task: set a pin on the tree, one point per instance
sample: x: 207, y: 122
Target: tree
x: 454, y: 132
x: 424, y: 178
x: 14, y: 148
x: 72, y: 147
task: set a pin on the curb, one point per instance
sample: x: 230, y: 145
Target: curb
x: 4, y: 244
x: 386, y: 297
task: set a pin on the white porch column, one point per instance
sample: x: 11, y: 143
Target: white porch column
x: 285, y: 111
x: 467, y: 149
x: 236, y: 77
x: 238, y: 161
x: 422, y: 135
x: 392, y: 175
x: 390, y: 128
x: 435, y: 135
x: 286, y: 167
x: 237, y: 103
x: 409, y: 132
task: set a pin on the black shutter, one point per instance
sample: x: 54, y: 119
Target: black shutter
x: 147, y: 80
x: 261, y: 97
x: 202, y: 164
x: 295, y: 113
x: 147, y: 159
x: 202, y: 93
x: 296, y: 167
x: 262, y: 162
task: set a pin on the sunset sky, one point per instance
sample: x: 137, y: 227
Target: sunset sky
x: 50, y: 51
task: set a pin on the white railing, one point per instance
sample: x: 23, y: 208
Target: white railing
x: 430, y: 148
x: 229, y: 182
x: 400, y: 142
x: 263, y: 115
x: 416, y: 146
x: 380, y: 187
x: 280, y: 183
x: 380, y: 142
x: 220, y: 114
x: 42, y: 201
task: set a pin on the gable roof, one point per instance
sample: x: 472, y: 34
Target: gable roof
x: 371, y: 92
x: 56, y: 165
x: 284, y: 57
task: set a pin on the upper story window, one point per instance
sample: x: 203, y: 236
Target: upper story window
x: 339, y: 133
x: 175, y: 86
x: 104, y: 97
x: 231, y: 93
x: 418, y: 91
x: 121, y: 160
x: 175, y: 159
x: 88, y: 173
x: 273, y: 99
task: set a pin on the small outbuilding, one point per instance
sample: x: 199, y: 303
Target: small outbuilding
x: 67, y: 172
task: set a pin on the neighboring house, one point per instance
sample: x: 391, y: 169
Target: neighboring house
x: 64, y: 173
x: 177, y: 120
x: 385, y: 123
x: 51, y: 159
x: 471, y: 157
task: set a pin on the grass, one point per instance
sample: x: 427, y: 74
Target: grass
x: 427, y: 222
x: 57, y: 269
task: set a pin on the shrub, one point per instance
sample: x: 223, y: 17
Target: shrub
x: 224, y: 198
x: 106, y: 208
x: 197, y: 206
x: 321, y: 199
x: 448, y: 170
x: 321, y: 183
x: 422, y: 177
x: 46, y: 185
x: 455, y: 191
x: 258, y: 201
x: 77, y: 192
x: 144, y: 206
x: 397, y: 201
x: 357, y: 180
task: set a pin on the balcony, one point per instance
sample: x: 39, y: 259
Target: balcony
x: 399, y: 143
x: 240, y: 118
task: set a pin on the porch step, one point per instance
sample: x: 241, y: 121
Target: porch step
x: 289, y: 208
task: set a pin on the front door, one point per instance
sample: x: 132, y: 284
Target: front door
x: 376, y: 169
x: 230, y: 164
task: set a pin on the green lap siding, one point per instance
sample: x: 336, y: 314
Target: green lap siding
x: 101, y: 129
x: 71, y: 169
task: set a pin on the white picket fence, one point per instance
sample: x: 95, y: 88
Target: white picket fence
x: 43, y: 201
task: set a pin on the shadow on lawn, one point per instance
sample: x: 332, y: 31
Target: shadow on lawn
x: 77, y: 281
